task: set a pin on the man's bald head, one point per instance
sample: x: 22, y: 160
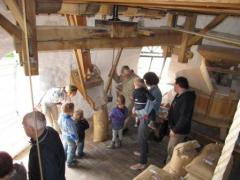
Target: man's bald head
x: 34, y: 120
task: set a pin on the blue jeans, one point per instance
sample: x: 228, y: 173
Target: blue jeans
x: 80, y: 147
x: 69, y: 149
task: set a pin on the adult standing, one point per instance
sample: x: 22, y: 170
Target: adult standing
x: 54, y: 97
x: 126, y: 88
x: 180, y: 114
x: 50, y: 146
x: 152, y: 81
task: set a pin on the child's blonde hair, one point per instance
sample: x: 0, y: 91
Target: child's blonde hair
x: 77, y: 115
x: 139, y: 82
x: 68, y: 108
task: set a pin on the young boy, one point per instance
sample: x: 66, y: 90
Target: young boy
x: 140, y: 96
x: 118, y: 116
x: 69, y: 133
x: 82, y: 125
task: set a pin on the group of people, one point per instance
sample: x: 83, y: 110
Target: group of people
x: 137, y: 99
x: 143, y: 100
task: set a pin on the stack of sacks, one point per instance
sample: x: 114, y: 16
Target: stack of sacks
x: 183, y: 154
x: 203, y: 166
x: 155, y: 173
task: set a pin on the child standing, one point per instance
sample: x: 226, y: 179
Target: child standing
x: 140, y: 96
x: 118, y: 116
x: 69, y: 133
x: 82, y: 125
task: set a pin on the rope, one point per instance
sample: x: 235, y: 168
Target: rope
x: 113, y: 57
x: 31, y: 87
x: 228, y: 146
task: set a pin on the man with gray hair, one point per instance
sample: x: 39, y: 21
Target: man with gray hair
x: 51, y: 149
x: 125, y: 87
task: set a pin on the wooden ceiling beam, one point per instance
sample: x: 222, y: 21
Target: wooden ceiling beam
x: 53, y: 33
x: 141, y: 10
x: 220, y: 54
x: 10, y: 27
x: 214, y: 36
x: 162, y: 37
x: 198, y: 10
x: 200, y: 3
x: 216, y: 21
x: 224, y: 71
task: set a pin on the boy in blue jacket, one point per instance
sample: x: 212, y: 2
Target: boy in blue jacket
x: 69, y: 133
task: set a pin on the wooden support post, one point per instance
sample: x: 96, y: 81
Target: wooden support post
x: 81, y: 59
x: 83, y: 54
x: 216, y: 21
x: 30, y: 8
x: 172, y: 20
x: 105, y: 10
x: 183, y: 51
x: 112, y: 71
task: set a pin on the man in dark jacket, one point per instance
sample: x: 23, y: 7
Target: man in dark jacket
x: 51, y: 149
x: 180, y: 114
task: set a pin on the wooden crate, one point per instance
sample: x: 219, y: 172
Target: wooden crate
x: 216, y: 110
x: 217, y: 105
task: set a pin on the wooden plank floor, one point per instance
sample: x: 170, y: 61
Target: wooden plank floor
x: 101, y: 163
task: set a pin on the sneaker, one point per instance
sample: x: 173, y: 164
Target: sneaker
x: 136, y: 153
x: 111, y: 146
x: 125, y: 131
x: 72, y: 165
x: 75, y: 160
x: 80, y: 155
x: 152, y: 125
x: 120, y: 144
x: 138, y: 166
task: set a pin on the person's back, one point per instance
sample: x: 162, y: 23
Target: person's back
x: 118, y: 116
x: 52, y: 157
x: 54, y: 95
x: 140, y: 94
x: 81, y: 125
x: 140, y: 98
x: 68, y: 126
x: 19, y: 172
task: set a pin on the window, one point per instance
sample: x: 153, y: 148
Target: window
x: 151, y: 59
x: 15, y: 102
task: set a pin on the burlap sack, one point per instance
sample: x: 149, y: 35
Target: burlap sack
x: 100, y: 124
x: 155, y: 173
x: 191, y: 177
x: 183, y: 154
x: 203, y: 166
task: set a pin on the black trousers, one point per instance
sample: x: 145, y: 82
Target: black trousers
x: 143, y: 133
